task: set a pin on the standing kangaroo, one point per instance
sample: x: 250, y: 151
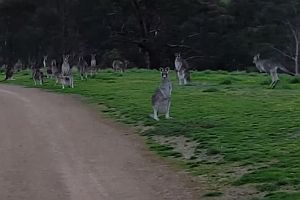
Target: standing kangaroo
x: 38, y: 76
x: 82, y: 65
x: 54, y: 69
x: 37, y: 73
x: 93, y: 64
x: 45, y: 65
x: 65, y: 67
x: 182, y: 70
x: 45, y: 59
x: 18, y: 66
x: 161, y: 100
x: 271, y: 68
x: 66, y: 78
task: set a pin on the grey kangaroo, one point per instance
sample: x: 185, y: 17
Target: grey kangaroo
x: 47, y: 67
x: 18, y: 65
x: 82, y: 65
x: 65, y: 67
x: 65, y: 81
x: 54, y: 68
x: 161, y: 100
x: 66, y: 77
x: 271, y: 68
x: 93, y: 64
x: 182, y: 70
x: 38, y: 75
x: 119, y: 65
x: 9, y: 72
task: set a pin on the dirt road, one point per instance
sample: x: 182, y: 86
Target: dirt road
x: 54, y: 148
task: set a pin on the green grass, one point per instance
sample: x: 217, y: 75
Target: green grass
x: 246, y: 133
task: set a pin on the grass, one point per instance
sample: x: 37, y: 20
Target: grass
x: 246, y: 133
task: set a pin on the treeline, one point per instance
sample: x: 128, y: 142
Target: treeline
x: 211, y: 34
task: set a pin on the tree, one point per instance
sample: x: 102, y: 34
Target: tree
x: 213, y: 34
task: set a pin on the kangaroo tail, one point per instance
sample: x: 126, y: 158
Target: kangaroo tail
x: 287, y: 71
x: 188, y: 76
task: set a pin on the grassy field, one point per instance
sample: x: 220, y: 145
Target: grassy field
x: 239, y: 137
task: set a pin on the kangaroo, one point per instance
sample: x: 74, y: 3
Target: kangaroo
x: 65, y: 81
x: 119, y: 65
x: 18, y: 65
x: 161, y: 100
x: 93, y: 64
x: 45, y: 61
x: 66, y: 78
x: 65, y: 67
x: 271, y: 68
x: 38, y: 75
x: 45, y: 65
x: 182, y: 70
x: 9, y: 72
x: 48, y: 67
x: 54, y: 68
x: 82, y: 65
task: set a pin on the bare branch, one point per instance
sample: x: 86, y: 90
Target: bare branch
x: 193, y: 35
x: 193, y: 57
x: 184, y: 47
x: 294, y: 31
x: 283, y: 53
x: 280, y: 51
x: 179, y: 46
x: 189, y: 37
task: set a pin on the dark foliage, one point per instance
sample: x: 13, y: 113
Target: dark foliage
x: 211, y: 34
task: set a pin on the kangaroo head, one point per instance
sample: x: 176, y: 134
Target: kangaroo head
x: 256, y: 58
x: 164, y: 72
x: 53, y: 62
x: 126, y: 62
x: 178, y: 55
x: 66, y: 58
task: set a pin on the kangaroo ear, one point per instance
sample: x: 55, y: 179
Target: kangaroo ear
x: 161, y: 69
x: 167, y: 69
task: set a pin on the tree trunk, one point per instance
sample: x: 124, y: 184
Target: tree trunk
x: 296, y: 66
x: 155, y: 62
x: 297, y: 58
x: 151, y: 55
x: 147, y: 59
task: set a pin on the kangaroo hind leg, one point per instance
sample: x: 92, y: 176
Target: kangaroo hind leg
x: 168, y: 111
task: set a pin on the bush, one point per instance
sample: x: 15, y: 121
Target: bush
x: 108, y: 57
x: 251, y: 69
x: 295, y: 80
x: 211, y: 90
x: 226, y: 82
